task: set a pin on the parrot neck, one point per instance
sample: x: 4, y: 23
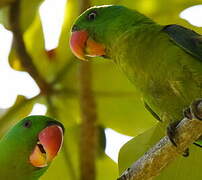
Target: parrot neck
x: 130, y: 51
x: 123, y: 30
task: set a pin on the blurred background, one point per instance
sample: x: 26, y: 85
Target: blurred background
x: 99, y: 107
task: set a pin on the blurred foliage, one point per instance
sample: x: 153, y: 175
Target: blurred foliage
x: 118, y: 104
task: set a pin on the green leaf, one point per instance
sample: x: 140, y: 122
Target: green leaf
x: 28, y: 11
x: 14, y: 60
x: 182, y: 168
x: 64, y: 54
x: 106, y: 169
x: 19, y: 110
x: 4, y: 15
x: 36, y: 48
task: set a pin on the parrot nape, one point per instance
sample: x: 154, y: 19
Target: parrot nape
x: 163, y: 62
x: 28, y: 148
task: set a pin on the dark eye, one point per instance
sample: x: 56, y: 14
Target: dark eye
x: 92, y: 15
x: 27, y: 124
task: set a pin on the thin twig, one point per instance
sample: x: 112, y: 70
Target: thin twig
x: 164, y: 152
x: 19, y: 44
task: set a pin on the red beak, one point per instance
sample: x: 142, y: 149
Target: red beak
x: 50, y: 143
x: 78, y: 43
x: 82, y: 46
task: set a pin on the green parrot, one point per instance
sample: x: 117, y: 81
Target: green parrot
x: 163, y: 62
x: 28, y: 148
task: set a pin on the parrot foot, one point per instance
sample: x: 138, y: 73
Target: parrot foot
x: 196, y: 109
x: 171, y: 131
x: 187, y: 113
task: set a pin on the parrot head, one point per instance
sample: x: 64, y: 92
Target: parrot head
x: 33, y: 143
x: 96, y: 30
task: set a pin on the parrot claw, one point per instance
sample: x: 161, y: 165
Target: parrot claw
x: 196, y: 109
x: 186, y: 153
x: 171, y: 130
x: 187, y: 113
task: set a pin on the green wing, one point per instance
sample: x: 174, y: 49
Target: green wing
x: 188, y: 40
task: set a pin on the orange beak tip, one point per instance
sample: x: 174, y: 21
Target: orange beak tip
x: 94, y: 49
x: 37, y: 158
x: 50, y: 143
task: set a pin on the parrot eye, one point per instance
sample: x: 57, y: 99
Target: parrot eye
x: 27, y: 124
x: 92, y: 15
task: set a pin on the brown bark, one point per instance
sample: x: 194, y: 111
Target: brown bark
x: 88, y: 127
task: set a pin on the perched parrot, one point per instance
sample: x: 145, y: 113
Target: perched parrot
x: 163, y: 62
x: 28, y: 148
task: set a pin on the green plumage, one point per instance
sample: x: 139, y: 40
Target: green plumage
x: 17, y: 145
x: 163, y: 62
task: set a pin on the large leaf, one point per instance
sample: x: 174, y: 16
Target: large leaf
x: 28, y: 10
x: 63, y: 51
x: 181, y: 169
x: 19, y: 110
x: 36, y: 49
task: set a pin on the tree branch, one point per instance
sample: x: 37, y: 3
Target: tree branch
x: 88, y: 139
x: 164, y: 152
x: 88, y: 126
x: 19, y: 44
